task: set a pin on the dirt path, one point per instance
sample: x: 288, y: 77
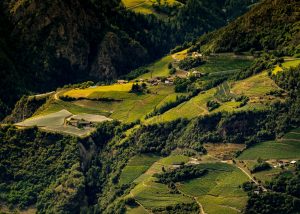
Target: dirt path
x: 252, y: 179
x: 148, y: 211
x: 200, y: 206
x: 195, y: 199
x: 44, y: 95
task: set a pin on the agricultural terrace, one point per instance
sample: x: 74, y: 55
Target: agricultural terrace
x: 153, y: 195
x: 136, y: 167
x: 255, y: 87
x: 219, y: 190
x: 112, y: 101
x: 287, y: 64
x: 216, y: 191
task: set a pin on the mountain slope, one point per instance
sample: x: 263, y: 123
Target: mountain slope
x: 47, y: 44
x: 269, y: 25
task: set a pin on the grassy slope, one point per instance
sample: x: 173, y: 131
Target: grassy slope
x: 158, y: 69
x: 223, y: 63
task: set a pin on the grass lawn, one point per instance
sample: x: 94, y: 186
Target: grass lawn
x: 286, y: 148
x: 136, y: 167
x: 218, y: 191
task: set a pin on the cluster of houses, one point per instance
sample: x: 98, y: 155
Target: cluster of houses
x: 283, y: 163
x: 85, y: 120
x: 157, y: 80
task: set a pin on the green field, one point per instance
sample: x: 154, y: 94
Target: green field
x: 136, y: 167
x: 158, y: 69
x: 286, y: 148
x: 255, y: 86
x: 218, y: 191
x: 221, y: 65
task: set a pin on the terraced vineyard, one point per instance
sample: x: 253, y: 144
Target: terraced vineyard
x: 218, y: 191
x: 255, y: 88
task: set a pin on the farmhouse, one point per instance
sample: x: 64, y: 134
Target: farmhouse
x: 85, y: 120
x: 122, y: 81
x: 79, y: 123
x: 196, y: 54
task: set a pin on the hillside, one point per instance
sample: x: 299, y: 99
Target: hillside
x: 270, y: 25
x: 47, y: 44
x: 190, y: 130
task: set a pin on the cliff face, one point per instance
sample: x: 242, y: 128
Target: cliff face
x: 65, y: 41
x: 110, y: 60
x: 45, y: 44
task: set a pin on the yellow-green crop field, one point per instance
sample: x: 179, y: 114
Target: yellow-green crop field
x: 85, y: 93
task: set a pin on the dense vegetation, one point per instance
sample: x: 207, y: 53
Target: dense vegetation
x: 181, y: 174
x: 269, y: 25
x: 102, y: 40
x: 37, y: 167
x: 283, y: 197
